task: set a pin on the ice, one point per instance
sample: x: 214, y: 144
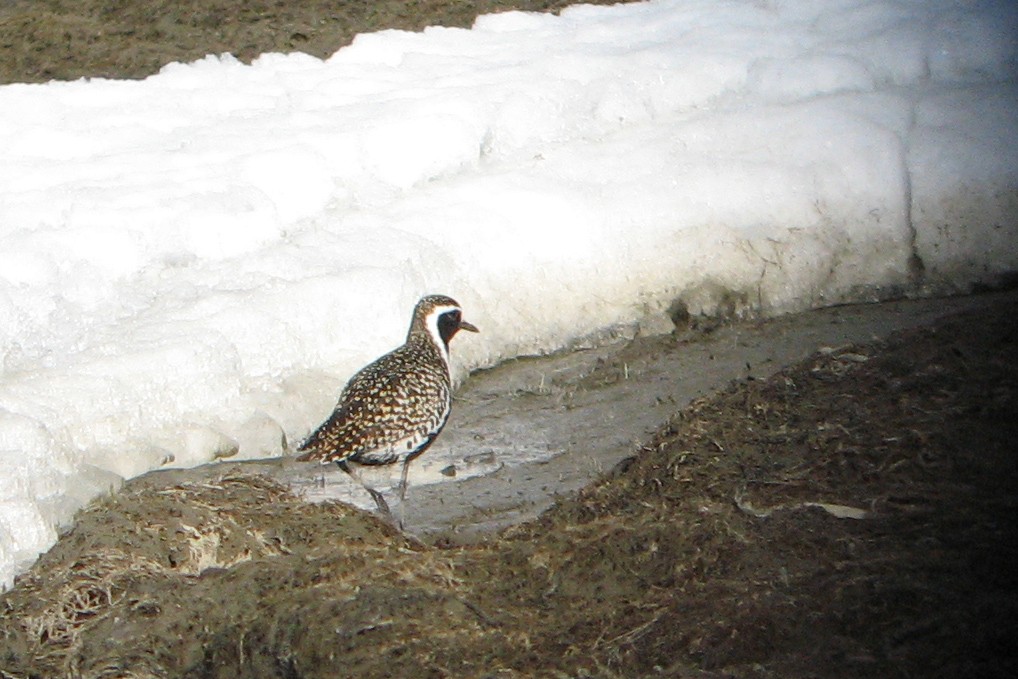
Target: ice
x: 192, y: 265
x: 963, y: 188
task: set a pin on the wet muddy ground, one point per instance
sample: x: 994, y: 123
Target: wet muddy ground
x: 851, y: 515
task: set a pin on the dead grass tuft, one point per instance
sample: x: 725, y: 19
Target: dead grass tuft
x: 822, y: 522
x: 74, y: 596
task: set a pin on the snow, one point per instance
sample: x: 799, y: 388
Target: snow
x: 192, y: 265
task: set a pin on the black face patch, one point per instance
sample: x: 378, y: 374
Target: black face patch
x: 448, y: 324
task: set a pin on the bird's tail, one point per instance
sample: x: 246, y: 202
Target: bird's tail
x: 310, y: 451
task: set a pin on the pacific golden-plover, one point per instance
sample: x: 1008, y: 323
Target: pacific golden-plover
x: 395, y: 407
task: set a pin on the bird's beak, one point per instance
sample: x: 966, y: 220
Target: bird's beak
x: 468, y: 326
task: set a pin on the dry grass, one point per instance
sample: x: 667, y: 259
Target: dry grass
x: 852, y: 516
x: 43, y: 40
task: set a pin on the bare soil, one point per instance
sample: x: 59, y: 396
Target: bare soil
x: 43, y: 40
x: 852, y: 515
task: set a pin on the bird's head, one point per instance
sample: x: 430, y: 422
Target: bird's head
x: 441, y: 318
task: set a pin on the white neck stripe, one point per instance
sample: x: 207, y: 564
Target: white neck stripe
x: 431, y: 321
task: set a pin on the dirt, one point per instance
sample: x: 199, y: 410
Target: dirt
x: 43, y: 40
x: 852, y: 514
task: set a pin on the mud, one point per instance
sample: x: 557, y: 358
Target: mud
x: 851, y: 515
x: 581, y: 411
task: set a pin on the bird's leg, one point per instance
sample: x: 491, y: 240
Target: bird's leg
x: 402, y: 492
x: 402, y: 481
x: 380, y: 503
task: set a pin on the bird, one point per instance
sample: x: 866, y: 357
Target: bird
x: 394, y: 408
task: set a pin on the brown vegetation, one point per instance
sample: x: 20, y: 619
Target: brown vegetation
x: 851, y: 516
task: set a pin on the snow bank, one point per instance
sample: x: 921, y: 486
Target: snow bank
x: 192, y: 265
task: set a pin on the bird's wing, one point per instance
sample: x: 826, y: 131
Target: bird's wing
x: 380, y: 415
